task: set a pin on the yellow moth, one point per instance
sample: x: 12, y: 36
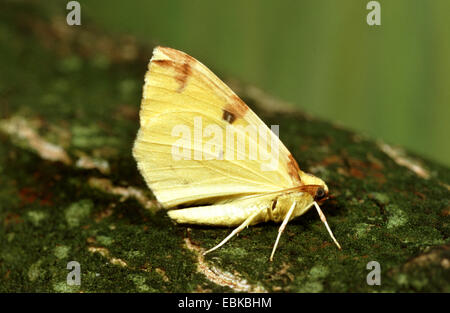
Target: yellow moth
x: 206, y: 157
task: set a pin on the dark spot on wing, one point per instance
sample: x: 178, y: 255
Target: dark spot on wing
x: 228, y: 116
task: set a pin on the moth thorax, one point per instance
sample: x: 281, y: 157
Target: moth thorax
x: 309, y: 179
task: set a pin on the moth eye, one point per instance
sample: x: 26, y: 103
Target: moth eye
x: 320, y: 193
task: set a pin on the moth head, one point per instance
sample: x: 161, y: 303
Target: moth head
x: 320, y: 193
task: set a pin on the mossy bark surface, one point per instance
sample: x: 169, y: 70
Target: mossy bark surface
x: 70, y: 189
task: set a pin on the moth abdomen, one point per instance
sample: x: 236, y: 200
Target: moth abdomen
x: 228, y: 214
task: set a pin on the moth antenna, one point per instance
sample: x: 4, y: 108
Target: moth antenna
x: 234, y: 232
x: 281, y: 229
x: 324, y: 220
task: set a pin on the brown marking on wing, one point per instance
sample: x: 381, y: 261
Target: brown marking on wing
x: 183, y: 71
x: 228, y: 116
x: 176, y: 55
x: 236, y: 107
x: 163, y: 63
x: 293, y: 170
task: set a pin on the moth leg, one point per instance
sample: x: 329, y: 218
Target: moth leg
x: 324, y: 220
x: 234, y: 232
x: 281, y: 229
x: 271, y: 208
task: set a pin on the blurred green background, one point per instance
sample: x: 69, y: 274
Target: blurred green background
x: 390, y: 81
